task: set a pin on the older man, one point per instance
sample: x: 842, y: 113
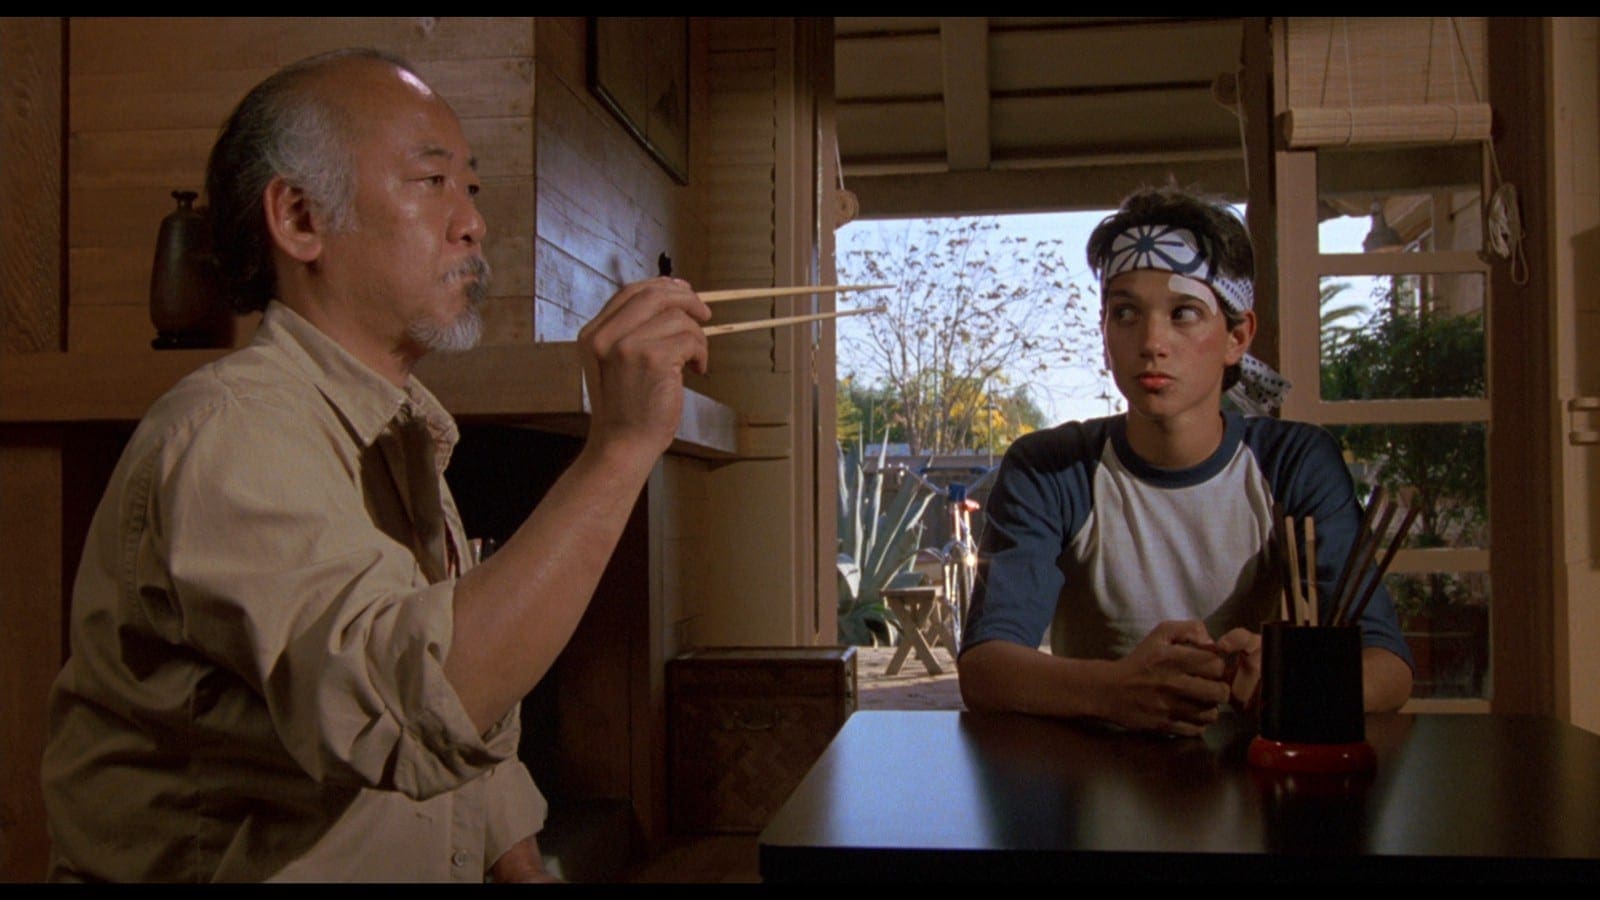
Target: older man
x: 284, y: 663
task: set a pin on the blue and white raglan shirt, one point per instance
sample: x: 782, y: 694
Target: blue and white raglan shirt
x: 1090, y: 541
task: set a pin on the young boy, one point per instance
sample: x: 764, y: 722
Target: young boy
x: 1140, y: 539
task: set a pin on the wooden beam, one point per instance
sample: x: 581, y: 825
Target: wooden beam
x: 1256, y: 77
x: 1034, y: 190
x: 1444, y: 262
x: 964, y: 50
x: 1526, y: 415
x: 539, y: 385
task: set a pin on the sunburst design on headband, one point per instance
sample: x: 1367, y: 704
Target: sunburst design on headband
x: 1157, y: 247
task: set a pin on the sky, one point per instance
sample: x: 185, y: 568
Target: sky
x: 1079, y: 392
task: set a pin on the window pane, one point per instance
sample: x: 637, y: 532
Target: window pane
x: 1440, y: 470
x: 1399, y: 199
x: 1445, y: 619
x: 1402, y: 337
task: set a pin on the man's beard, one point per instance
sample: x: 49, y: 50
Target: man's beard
x: 464, y: 331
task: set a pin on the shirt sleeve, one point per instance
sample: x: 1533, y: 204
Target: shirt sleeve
x: 515, y: 809
x: 1039, y: 499
x: 276, y: 573
x: 1320, y: 487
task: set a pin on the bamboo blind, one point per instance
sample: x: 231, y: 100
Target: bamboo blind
x: 1374, y: 80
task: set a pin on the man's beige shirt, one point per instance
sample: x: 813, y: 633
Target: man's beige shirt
x: 256, y: 686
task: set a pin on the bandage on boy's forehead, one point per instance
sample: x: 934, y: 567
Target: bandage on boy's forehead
x: 1190, y: 287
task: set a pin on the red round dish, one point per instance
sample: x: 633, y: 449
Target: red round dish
x: 1325, y: 759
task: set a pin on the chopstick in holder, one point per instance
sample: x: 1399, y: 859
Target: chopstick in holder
x: 759, y: 324
x: 1368, y: 553
x: 1279, y: 563
x: 1373, y: 502
x: 1388, y: 557
x: 802, y: 290
x: 1296, y: 601
x: 1312, y: 613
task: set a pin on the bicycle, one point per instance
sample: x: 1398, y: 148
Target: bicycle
x: 958, y: 556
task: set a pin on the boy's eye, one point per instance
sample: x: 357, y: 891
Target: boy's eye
x: 1187, y: 314
x: 1122, y: 314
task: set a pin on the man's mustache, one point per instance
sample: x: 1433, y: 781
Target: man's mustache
x: 475, y: 271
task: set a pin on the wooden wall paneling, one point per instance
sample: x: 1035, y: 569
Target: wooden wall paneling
x: 99, y: 276
x: 417, y: 38
x: 762, y: 179
x: 153, y: 159
x: 597, y: 672
x: 142, y: 125
x: 164, y: 95
x: 111, y: 45
x: 508, y: 206
x: 31, y: 478
x: 605, y: 208
x: 30, y: 185
x: 31, y: 610
x: 118, y: 328
x: 604, y: 211
x: 1575, y: 69
x: 740, y: 222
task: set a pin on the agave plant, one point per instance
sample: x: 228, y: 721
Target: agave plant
x: 877, y: 546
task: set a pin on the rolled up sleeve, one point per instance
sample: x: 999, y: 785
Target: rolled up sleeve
x: 514, y: 809
x: 277, y: 573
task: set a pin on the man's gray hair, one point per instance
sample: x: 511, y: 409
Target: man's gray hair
x: 284, y: 127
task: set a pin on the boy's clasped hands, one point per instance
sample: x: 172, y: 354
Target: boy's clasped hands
x: 1178, y: 677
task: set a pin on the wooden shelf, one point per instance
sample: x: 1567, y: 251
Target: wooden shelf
x: 535, y: 385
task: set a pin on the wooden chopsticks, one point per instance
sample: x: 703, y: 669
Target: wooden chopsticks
x: 1358, y: 577
x: 1353, y: 613
x: 802, y: 290
x: 758, y: 324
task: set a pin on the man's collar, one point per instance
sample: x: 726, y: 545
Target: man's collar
x: 367, y: 401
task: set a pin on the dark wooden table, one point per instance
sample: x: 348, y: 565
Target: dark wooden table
x: 948, y: 796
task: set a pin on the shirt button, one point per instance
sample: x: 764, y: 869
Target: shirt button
x: 459, y: 858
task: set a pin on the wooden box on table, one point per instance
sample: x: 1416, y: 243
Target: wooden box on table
x: 745, y: 724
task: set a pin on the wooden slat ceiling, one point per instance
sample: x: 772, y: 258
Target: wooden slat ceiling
x: 948, y: 115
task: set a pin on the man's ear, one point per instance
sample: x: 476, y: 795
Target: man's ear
x: 294, y: 230
x: 1240, y: 336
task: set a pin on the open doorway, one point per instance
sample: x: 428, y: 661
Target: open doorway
x: 990, y: 331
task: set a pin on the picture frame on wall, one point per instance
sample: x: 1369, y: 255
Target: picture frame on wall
x: 639, y: 69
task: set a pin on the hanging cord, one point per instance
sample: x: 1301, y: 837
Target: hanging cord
x: 845, y: 204
x: 1502, y: 224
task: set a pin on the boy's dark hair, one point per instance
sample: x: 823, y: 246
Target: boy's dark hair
x: 1222, y: 233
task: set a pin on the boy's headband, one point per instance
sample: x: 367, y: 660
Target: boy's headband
x: 1167, y: 248
x: 1176, y: 250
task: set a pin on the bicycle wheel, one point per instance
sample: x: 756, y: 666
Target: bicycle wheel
x: 966, y: 578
